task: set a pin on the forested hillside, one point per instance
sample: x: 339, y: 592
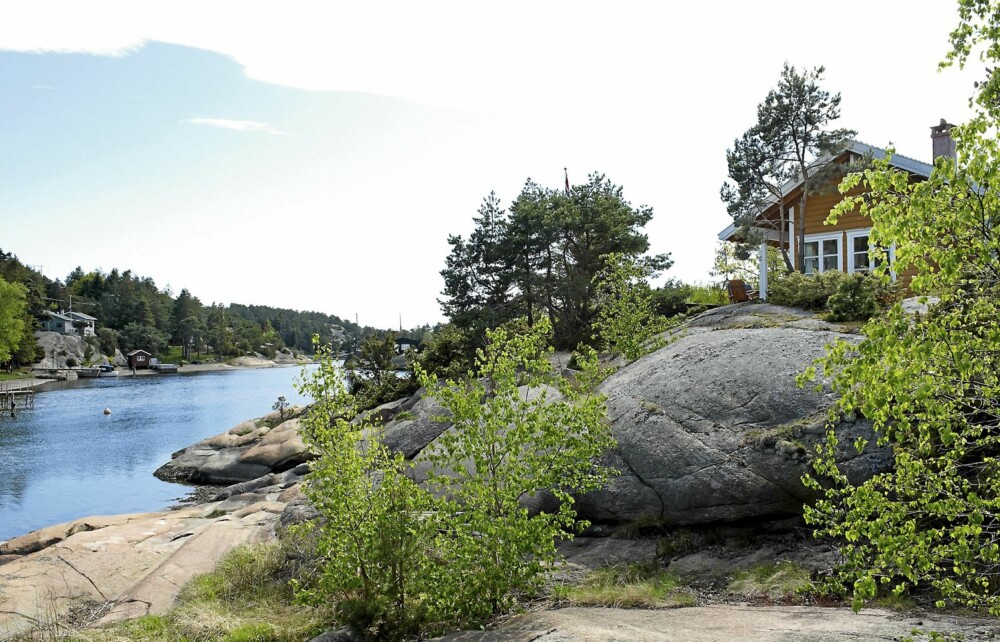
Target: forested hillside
x: 133, y: 312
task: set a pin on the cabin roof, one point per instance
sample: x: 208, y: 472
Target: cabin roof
x: 81, y: 316
x: 898, y: 161
x: 139, y: 351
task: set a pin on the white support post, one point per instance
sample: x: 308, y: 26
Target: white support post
x: 762, y: 260
x: 791, y: 234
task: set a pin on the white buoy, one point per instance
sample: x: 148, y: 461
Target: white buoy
x: 107, y: 411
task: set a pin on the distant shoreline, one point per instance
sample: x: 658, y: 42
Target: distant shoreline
x: 243, y: 363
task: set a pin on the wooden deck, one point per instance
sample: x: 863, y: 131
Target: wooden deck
x: 16, y: 395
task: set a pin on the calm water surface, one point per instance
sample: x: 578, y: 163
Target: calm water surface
x: 66, y: 459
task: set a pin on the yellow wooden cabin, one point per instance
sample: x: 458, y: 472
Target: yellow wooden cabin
x: 844, y: 246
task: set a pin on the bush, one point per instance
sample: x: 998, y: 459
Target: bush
x: 71, y: 362
x: 448, y: 352
x: 854, y: 299
x: 626, y: 322
x: 670, y: 300
x: 506, y: 445
x: 400, y: 559
x: 373, y: 378
x: 806, y: 291
x: 708, y: 295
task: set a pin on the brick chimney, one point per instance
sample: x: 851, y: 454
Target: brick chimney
x: 942, y: 141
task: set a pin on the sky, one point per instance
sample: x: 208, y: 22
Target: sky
x: 317, y: 155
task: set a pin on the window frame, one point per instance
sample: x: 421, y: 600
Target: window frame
x: 818, y: 239
x: 890, y: 253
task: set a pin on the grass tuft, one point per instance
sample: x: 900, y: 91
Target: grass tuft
x: 632, y: 586
x: 247, y: 598
x: 783, y: 581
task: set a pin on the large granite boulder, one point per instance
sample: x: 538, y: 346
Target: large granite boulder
x: 713, y: 427
x: 249, y: 450
x: 61, y: 350
x: 412, y: 423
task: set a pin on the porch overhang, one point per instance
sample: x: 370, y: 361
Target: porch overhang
x: 767, y: 234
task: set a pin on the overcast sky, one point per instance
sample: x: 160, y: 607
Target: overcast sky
x: 317, y: 155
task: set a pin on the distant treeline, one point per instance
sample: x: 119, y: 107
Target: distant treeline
x: 132, y: 312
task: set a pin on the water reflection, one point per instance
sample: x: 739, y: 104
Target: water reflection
x: 67, y: 459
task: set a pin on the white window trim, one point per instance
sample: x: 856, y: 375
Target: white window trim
x: 829, y: 236
x: 891, y: 252
x: 851, y: 235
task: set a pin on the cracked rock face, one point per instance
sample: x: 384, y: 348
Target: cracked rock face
x: 713, y: 427
x: 127, y: 566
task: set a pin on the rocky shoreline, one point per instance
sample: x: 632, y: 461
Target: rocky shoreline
x: 710, y: 440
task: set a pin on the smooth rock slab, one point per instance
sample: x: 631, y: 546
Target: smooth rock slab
x: 730, y: 623
x: 136, y: 564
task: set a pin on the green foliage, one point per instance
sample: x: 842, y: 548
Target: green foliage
x: 397, y: 557
x: 976, y: 36
x: 930, y: 384
x: 373, y: 376
x: 281, y: 405
x: 12, y: 324
x: 137, y: 336
x: 670, y: 299
x: 806, y: 291
x: 449, y: 352
x: 540, y: 258
x: 247, y: 573
x: 245, y: 598
x: 792, y: 131
x: 707, y: 295
x: 854, y: 299
x: 627, y: 321
x: 375, y: 536
x: 514, y: 437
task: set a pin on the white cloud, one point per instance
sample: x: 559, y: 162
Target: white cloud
x: 235, y: 125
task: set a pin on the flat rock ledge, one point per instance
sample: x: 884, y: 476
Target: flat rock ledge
x: 126, y: 566
x: 723, y: 622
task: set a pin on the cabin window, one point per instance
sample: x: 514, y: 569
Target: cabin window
x: 859, y: 258
x: 860, y: 261
x: 822, y: 254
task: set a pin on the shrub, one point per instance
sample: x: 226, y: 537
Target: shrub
x: 373, y: 537
x: 508, y: 444
x: 626, y: 320
x: 449, y: 353
x: 806, y: 291
x: 398, y: 557
x: 670, y: 300
x: 854, y: 299
x: 707, y: 295
x: 70, y: 362
x: 374, y: 380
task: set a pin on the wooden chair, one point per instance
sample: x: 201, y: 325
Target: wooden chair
x: 738, y: 292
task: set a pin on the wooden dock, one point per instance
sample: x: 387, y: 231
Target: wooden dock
x: 16, y: 395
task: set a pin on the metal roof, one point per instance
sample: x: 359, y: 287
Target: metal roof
x: 81, y: 316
